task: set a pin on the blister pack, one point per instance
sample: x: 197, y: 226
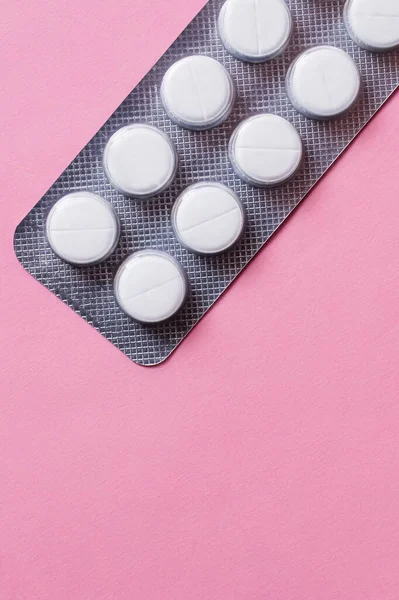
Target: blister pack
x: 205, y: 159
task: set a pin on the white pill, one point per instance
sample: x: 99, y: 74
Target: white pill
x: 198, y: 93
x: 140, y: 161
x: 255, y: 30
x: 265, y: 150
x: 323, y: 82
x: 208, y: 218
x: 82, y: 228
x: 150, y: 286
x: 373, y: 24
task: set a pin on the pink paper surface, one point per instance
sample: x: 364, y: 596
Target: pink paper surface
x: 261, y: 461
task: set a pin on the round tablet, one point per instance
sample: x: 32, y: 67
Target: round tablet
x: 255, y: 30
x: 373, y: 24
x: 265, y: 150
x: 208, y: 218
x: 323, y: 82
x: 198, y: 93
x: 150, y: 286
x: 140, y: 161
x: 82, y: 228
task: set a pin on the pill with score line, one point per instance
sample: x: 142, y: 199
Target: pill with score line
x: 373, y: 24
x: 255, y: 30
x: 150, y: 286
x: 82, y: 228
x: 323, y: 82
x: 208, y: 218
x: 265, y: 150
x: 140, y: 160
x: 198, y: 93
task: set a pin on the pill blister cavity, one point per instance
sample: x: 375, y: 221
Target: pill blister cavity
x: 255, y: 30
x: 323, y: 82
x: 150, y: 286
x: 208, y: 218
x: 140, y: 161
x: 198, y: 93
x: 82, y: 228
x: 373, y: 24
x: 266, y: 150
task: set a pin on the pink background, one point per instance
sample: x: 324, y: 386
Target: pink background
x: 261, y: 461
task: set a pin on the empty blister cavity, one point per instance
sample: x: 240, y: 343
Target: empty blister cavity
x: 323, y: 82
x: 82, y: 228
x: 198, y: 93
x: 373, y: 24
x: 265, y: 150
x: 150, y: 286
x: 255, y: 30
x: 140, y: 161
x: 208, y: 218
